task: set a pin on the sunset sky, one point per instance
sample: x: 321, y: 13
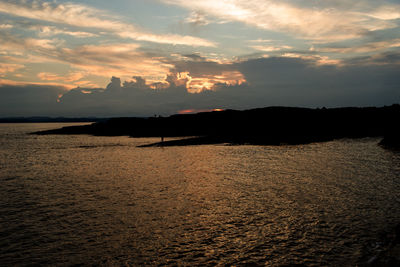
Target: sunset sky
x: 145, y: 57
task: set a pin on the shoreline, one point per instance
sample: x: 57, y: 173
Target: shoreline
x: 264, y: 126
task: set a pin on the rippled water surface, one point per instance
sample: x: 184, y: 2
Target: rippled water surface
x: 101, y: 200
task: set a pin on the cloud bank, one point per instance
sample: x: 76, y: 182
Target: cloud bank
x: 286, y: 81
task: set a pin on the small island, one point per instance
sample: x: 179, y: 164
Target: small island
x: 262, y: 126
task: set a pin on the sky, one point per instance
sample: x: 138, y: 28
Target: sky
x: 147, y: 57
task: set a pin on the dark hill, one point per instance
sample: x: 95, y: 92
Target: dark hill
x: 264, y: 126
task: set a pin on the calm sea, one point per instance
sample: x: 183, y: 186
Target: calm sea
x: 67, y: 200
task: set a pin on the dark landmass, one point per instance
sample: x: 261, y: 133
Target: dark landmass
x: 391, y: 138
x: 47, y: 119
x: 263, y: 126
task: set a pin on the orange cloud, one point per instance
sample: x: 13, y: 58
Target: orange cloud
x: 7, y: 68
x: 121, y: 60
x: 42, y: 43
x: 209, y: 82
x: 71, y: 77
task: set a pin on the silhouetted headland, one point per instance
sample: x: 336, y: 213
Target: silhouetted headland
x: 391, y: 137
x: 263, y: 126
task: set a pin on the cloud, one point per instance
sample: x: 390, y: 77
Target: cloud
x: 270, y: 48
x: 118, y: 59
x: 199, y: 74
x: 71, y: 77
x: 317, y: 59
x: 79, y: 15
x: 387, y: 12
x: 10, y: 42
x: 284, y: 81
x: 7, y: 68
x: 5, y: 26
x: 268, y: 45
x: 385, y: 58
x: 315, y: 22
x: 364, y: 48
x: 51, y: 30
x: 197, y: 18
x: 29, y: 100
x: 43, y: 43
x: 206, y: 82
x: 55, y: 84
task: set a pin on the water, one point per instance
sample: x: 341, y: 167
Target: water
x: 100, y: 200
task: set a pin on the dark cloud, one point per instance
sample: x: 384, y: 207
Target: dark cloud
x: 299, y: 82
x: 29, y: 100
x: 199, y: 66
x: 194, y: 57
x: 383, y: 59
x: 270, y: 81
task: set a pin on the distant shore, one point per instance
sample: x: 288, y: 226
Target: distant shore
x: 264, y: 126
x: 47, y: 119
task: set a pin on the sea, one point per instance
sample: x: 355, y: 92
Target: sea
x: 102, y: 201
